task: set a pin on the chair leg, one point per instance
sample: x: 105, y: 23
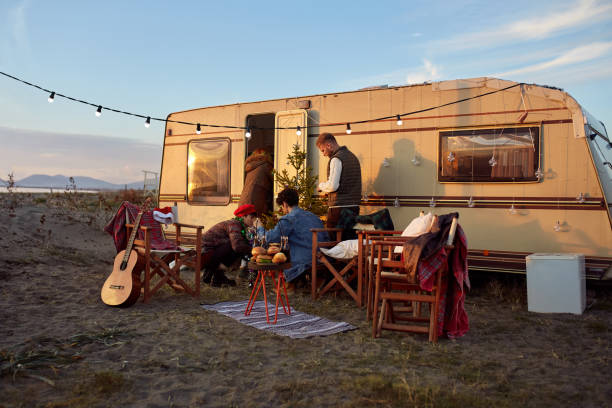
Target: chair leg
x: 381, y: 317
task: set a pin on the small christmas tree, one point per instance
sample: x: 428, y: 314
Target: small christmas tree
x: 303, y: 181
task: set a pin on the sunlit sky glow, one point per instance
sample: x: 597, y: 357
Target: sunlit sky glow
x: 157, y: 57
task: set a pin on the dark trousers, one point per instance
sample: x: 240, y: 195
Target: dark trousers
x: 222, y: 254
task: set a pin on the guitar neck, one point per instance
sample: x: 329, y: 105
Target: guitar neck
x: 130, y: 243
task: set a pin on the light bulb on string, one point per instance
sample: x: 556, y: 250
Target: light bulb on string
x: 147, y: 122
x: 399, y: 120
x: 247, y: 134
x: 298, y: 131
x: 348, y: 129
x: 51, y: 97
x: 99, y: 111
x: 198, y: 129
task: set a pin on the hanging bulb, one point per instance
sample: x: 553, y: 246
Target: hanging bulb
x: 432, y: 202
x: 198, y: 129
x: 451, y: 157
x: 492, y: 161
x: 348, y: 129
x: 51, y: 97
x: 298, y: 131
x: 399, y: 121
x: 512, y: 210
x: 539, y: 174
x: 148, y: 122
x: 581, y: 198
x: 248, y: 133
x: 396, y: 203
x: 557, y: 226
x: 471, y: 203
x: 416, y: 160
x: 99, y: 111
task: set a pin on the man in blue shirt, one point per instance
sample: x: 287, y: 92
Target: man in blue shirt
x: 296, y: 225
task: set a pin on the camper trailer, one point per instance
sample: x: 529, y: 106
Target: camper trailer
x: 526, y: 167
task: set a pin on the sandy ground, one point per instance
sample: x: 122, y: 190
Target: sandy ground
x: 60, y: 346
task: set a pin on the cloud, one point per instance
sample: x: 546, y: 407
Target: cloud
x: 117, y: 160
x: 428, y: 72
x: 574, y: 56
x: 581, y: 13
x: 17, y: 23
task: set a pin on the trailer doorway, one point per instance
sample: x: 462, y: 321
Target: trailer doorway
x: 276, y: 134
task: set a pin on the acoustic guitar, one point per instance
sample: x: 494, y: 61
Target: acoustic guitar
x: 122, y: 287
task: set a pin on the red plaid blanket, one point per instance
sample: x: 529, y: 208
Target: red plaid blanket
x: 452, y: 317
x: 116, y: 228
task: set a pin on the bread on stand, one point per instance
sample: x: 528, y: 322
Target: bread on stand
x: 279, y: 258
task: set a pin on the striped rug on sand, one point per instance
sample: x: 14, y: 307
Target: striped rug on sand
x: 298, y: 325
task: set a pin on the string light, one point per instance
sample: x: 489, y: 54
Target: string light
x: 51, y: 97
x: 399, y: 120
x: 248, y: 133
x: 348, y: 126
x: 198, y: 129
x: 298, y: 131
x: 148, y: 122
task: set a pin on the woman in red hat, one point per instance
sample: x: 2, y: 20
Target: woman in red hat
x: 225, y: 243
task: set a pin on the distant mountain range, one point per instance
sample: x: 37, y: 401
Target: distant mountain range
x: 82, y: 183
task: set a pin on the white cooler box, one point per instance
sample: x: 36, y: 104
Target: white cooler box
x: 556, y: 283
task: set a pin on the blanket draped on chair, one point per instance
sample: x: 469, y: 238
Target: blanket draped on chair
x: 116, y: 228
x: 424, y: 255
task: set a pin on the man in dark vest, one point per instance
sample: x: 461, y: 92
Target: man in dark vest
x: 343, y: 185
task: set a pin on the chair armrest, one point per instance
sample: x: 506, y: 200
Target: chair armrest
x: 142, y: 227
x: 189, y: 225
x: 326, y: 230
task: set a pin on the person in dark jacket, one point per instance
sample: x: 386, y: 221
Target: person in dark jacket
x: 343, y: 185
x: 225, y: 243
x: 258, y: 182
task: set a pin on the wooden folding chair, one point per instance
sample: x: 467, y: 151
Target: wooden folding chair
x: 343, y: 272
x: 187, y: 251
x: 393, y: 285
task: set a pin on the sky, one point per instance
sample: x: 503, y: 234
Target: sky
x: 156, y: 57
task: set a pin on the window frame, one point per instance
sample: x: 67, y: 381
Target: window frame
x: 536, y: 133
x: 229, y: 171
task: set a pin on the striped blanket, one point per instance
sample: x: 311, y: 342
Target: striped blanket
x: 297, y: 326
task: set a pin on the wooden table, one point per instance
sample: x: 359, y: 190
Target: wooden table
x: 275, y: 271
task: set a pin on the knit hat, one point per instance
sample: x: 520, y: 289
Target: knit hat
x: 245, y: 210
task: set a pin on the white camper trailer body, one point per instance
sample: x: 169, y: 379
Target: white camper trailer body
x: 525, y: 166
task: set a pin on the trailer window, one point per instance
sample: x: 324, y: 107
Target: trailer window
x: 489, y: 155
x: 208, y: 172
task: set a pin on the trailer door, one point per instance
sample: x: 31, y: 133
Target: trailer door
x: 284, y: 139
